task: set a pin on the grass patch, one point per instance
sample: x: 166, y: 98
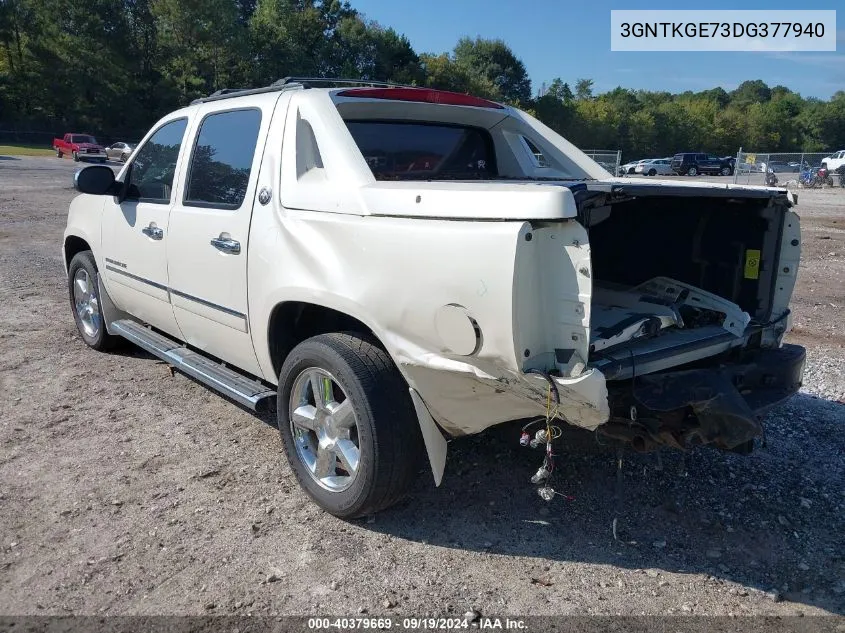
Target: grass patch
x: 26, y: 150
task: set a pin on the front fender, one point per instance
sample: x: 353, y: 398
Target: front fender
x: 84, y: 221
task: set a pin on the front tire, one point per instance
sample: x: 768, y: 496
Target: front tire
x: 76, y: 157
x: 348, y: 424
x: 692, y: 171
x: 652, y: 172
x: 59, y: 153
x: 85, y: 302
x: 726, y: 171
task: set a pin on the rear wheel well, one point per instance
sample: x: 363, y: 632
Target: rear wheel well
x: 74, y: 245
x: 294, y: 321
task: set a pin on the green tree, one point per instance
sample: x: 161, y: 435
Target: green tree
x: 560, y: 90
x: 748, y: 92
x: 200, y: 42
x: 492, y: 61
x: 583, y: 89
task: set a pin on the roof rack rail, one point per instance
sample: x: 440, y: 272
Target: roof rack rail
x: 289, y: 83
x: 308, y: 82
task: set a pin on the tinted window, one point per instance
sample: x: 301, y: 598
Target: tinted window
x: 82, y: 138
x: 542, y: 161
x: 222, y: 159
x: 406, y: 151
x: 151, y: 172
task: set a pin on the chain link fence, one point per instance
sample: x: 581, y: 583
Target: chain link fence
x: 790, y: 169
x: 610, y: 159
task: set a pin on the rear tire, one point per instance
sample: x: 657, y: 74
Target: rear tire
x: 652, y: 172
x: 85, y: 302
x: 352, y: 459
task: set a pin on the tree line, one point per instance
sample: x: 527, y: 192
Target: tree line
x: 112, y: 67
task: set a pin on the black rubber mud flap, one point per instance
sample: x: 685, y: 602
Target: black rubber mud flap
x: 724, y: 415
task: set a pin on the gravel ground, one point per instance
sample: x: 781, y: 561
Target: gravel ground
x: 125, y: 489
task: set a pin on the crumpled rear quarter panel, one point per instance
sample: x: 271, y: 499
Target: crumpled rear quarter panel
x: 394, y: 275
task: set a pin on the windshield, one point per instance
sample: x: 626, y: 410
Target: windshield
x: 399, y: 150
x: 83, y: 138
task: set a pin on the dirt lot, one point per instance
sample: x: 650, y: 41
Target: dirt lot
x: 127, y: 490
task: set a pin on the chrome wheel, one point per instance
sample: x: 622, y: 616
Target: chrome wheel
x: 86, y: 303
x: 324, y: 429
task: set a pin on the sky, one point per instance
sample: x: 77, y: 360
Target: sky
x: 571, y: 40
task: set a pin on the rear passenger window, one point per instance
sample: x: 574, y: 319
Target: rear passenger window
x: 222, y: 159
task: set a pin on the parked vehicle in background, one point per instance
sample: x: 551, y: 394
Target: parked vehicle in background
x: 80, y: 147
x: 630, y: 168
x: 825, y: 177
x: 771, y: 179
x: 834, y: 161
x: 750, y: 168
x: 779, y: 167
x: 731, y: 160
x: 390, y: 267
x: 695, y: 163
x: 813, y: 177
x: 655, y: 167
x: 119, y: 151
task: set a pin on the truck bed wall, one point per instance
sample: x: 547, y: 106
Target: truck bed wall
x: 703, y: 241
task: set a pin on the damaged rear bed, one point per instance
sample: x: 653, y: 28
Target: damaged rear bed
x: 688, y: 310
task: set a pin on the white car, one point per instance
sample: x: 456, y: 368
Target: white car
x: 749, y: 168
x: 655, y: 167
x: 834, y: 161
x: 391, y: 267
x: 630, y: 168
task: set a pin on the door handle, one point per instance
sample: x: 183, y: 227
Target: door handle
x: 153, y: 232
x: 227, y: 245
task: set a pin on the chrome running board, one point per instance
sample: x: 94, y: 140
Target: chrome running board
x: 250, y: 393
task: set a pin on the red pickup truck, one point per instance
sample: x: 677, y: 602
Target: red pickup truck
x: 80, y: 146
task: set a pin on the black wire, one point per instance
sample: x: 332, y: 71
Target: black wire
x: 551, y: 382
x: 774, y: 321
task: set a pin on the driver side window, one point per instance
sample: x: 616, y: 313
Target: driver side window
x: 152, y: 170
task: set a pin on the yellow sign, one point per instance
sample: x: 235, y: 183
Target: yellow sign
x: 752, y: 264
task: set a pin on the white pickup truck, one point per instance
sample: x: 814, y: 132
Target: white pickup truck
x: 835, y: 161
x: 398, y: 266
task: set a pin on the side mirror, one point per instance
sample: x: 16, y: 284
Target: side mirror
x: 95, y: 179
